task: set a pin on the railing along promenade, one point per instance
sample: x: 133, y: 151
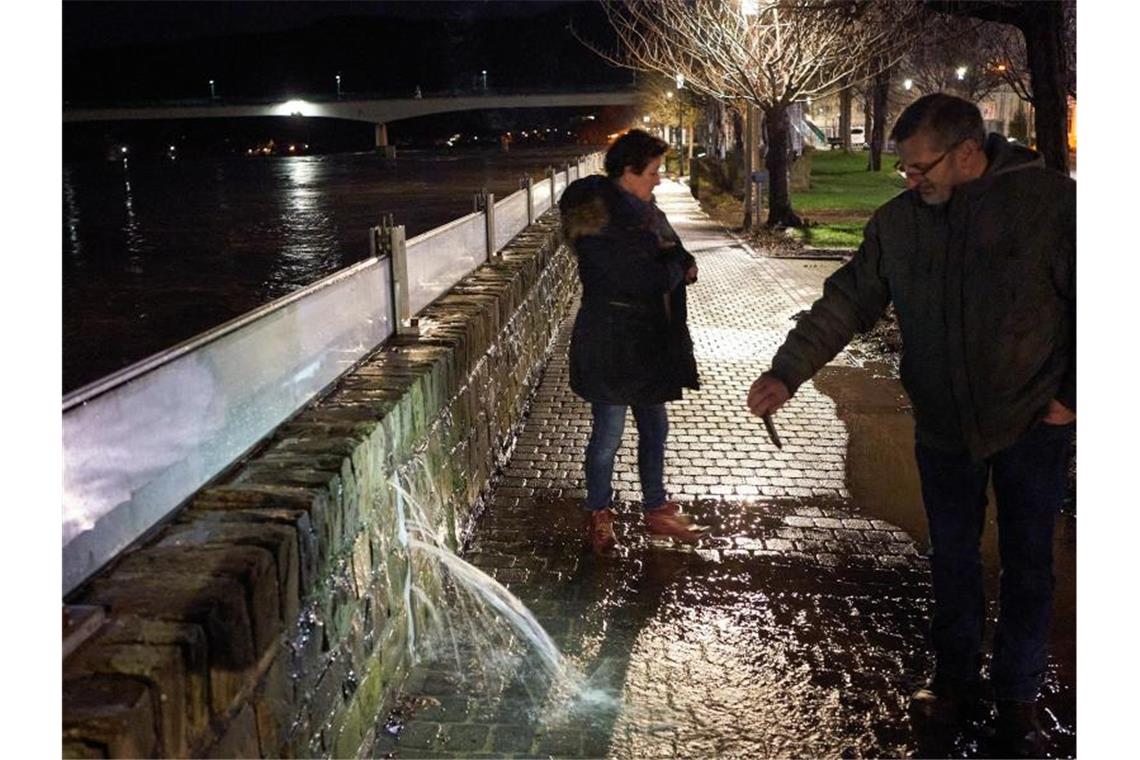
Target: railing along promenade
x: 141, y: 441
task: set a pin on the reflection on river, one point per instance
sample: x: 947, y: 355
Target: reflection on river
x: 155, y: 253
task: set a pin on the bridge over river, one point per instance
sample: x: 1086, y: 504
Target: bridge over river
x: 373, y: 109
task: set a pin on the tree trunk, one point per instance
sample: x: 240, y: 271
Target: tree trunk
x: 879, y: 91
x: 868, y: 108
x: 779, y: 144
x: 749, y: 150
x: 1043, y: 27
x: 845, y: 117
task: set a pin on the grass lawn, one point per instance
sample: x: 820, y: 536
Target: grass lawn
x: 842, y: 196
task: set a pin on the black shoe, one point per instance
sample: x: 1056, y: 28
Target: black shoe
x: 1019, y: 730
x: 945, y: 701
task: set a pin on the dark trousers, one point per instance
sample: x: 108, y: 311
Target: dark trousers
x: 1029, y: 483
x: 605, y: 438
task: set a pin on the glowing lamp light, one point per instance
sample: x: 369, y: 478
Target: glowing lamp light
x: 908, y: 83
x: 294, y: 108
x: 961, y: 72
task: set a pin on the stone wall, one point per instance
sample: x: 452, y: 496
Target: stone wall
x: 269, y: 618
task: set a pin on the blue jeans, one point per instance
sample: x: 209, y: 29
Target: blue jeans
x: 1029, y: 483
x: 605, y: 438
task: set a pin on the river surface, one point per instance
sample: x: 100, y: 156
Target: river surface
x: 155, y: 253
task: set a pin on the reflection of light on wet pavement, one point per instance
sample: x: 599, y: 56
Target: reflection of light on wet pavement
x: 729, y: 344
x: 796, y: 630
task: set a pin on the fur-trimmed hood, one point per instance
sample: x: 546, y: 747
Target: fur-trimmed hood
x: 585, y: 206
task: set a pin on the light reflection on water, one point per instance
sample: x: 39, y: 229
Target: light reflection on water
x: 155, y: 253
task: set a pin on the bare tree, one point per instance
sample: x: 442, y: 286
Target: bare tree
x: 767, y: 53
x: 961, y: 55
x: 1048, y: 31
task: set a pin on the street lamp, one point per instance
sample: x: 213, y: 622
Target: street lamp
x: 212, y: 93
x: 908, y: 83
x: 338, y: 85
x: 961, y: 72
x: 484, y: 73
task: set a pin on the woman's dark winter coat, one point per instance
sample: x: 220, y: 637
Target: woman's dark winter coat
x: 630, y: 343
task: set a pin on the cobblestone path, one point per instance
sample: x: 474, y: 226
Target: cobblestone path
x: 796, y: 630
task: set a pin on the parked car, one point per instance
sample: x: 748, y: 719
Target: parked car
x: 858, y: 140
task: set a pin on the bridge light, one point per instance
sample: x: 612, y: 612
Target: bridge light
x: 294, y: 108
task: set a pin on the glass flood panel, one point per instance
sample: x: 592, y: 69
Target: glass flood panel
x: 440, y: 258
x: 541, y: 192
x: 510, y: 217
x: 137, y: 451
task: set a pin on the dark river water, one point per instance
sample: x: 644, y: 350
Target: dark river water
x: 154, y: 253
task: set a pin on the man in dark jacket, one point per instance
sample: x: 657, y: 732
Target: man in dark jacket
x: 978, y: 257
x: 630, y: 346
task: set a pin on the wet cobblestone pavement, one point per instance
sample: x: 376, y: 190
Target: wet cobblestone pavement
x: 797, y: 629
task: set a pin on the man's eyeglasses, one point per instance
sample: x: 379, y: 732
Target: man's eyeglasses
x: 917, y: 170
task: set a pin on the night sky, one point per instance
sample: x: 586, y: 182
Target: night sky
x: 161, y: 50
x: 144, y: 52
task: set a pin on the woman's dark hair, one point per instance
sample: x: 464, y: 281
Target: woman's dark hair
x: 948, y: 119
x: 635, y: 149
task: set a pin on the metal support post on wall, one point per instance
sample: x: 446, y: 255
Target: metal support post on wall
x: 388, y: 240
x: 551, y: 175
x: 485, y: 202
x: 528, y: 183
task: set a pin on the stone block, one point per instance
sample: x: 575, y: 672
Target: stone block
x: 252, y: 567
x: 279, y: 540
x: 170, y: 658
x: 239, y: 738
x: 275, y: 706
x: 328, y: 694
x: 282, y: 503
x: 109, y: 716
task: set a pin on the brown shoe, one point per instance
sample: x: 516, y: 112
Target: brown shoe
x: 945, y: 701
x: 601, y: 531
x: 668, y: 524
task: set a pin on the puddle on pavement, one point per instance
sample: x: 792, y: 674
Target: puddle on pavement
x: 737, y: 649
x: 883, y: 481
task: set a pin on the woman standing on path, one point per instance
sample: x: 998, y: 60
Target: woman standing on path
x: 630, y: 346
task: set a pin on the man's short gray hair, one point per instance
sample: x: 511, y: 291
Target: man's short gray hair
x: 948, y: 119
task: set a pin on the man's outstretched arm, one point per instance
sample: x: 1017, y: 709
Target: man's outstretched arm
x: 853, y: 300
